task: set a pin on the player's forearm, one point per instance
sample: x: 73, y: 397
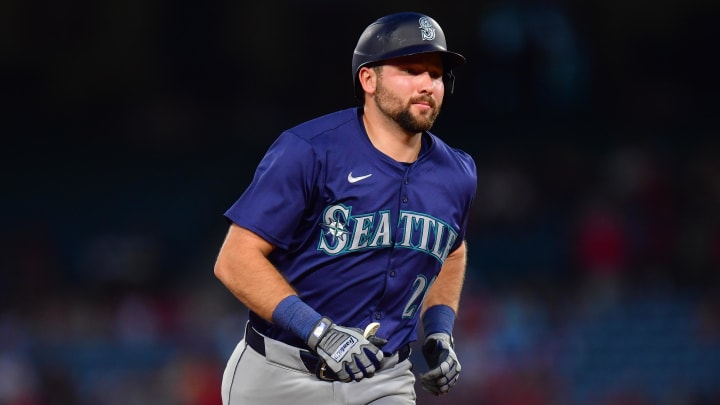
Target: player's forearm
x: 447, y: 288
x: 258, y: 288
x: 242, y: 266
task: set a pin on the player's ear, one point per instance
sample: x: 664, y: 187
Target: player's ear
x: 367, y: 76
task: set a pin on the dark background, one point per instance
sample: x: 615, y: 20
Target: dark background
x: 129, y: 127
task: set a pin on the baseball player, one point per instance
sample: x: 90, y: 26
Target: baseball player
x: 351, y: 233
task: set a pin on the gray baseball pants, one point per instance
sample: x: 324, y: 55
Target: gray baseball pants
x: 280, y: 377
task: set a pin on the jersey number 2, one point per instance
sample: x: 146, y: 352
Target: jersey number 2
x: 420, y: 288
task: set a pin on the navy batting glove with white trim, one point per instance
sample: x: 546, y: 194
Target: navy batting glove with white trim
x: 345, y: 351
x: 442, y: 360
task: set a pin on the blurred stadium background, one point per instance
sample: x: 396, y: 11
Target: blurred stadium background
x: 129, y: 127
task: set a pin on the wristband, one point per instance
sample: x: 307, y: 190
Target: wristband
x: 439, y: 319
x: 293, y: 315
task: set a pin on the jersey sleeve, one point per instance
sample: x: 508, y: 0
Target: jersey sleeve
x: 274, y: 202
x: 470, y: 187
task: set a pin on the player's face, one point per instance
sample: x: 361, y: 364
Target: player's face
x: 410, y: 90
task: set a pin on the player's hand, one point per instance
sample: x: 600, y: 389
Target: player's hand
x: 442, y: 360
x: 345, y: 351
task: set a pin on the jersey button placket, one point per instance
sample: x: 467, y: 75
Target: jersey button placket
x: 404, y: 198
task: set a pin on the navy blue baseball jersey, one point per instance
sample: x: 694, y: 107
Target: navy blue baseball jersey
x: 360, y: 236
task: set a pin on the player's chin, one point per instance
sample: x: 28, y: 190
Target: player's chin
x: 427, y: 116
x: 425, y: 123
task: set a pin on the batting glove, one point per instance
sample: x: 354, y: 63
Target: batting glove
x: 345, y: 351
x: 442, y: 360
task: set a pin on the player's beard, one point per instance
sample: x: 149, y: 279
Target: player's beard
x: 394, y: 107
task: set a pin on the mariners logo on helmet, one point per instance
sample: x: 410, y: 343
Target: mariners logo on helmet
x: 428, y: 32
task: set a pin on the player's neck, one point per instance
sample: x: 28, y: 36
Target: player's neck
x: 387, y: 137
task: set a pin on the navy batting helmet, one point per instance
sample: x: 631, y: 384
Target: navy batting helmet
x: 403, y: 34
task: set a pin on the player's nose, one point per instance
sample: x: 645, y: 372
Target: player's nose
x: 428, y: 83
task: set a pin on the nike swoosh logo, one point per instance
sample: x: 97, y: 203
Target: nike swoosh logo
x: 352, y: 179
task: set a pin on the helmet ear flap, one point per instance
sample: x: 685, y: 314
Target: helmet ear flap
x: 449, y: 80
